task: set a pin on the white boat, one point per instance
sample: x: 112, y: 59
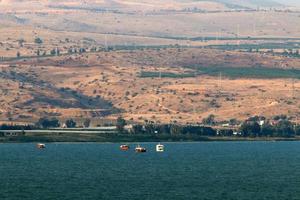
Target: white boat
x: 160, y: 148
x: 40, y: 146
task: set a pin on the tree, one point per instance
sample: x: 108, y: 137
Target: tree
x: 233, y: 122
x: 250, y: 128
x: 267, y: 130
x: 18, y: 54
x: 48, y: 123
x: 38, y: 40
x: 82, y: 50
x: 284, y: 128
x: 70, y: 123
x: 93, y: 49
x: 21, y: 41
x: 280, y: 117
x: 121, y: 123
x: 176, y: 129
x: 297, y: 130
x: 138, y: 129
x: 198, y: 130
x: 225, y: 132
x: 53, y: 52
x: 210, y: 120
x: 87, y: 123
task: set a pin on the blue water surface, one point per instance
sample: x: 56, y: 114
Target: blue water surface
x: 208, y: 171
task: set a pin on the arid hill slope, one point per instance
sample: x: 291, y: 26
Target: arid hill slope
x: 100, y: 84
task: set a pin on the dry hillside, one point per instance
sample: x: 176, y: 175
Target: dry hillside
x: 109, y: 84
x: 165, y: 61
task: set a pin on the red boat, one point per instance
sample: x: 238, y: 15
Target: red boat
x: 124, y: 147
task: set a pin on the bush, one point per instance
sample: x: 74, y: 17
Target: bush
x: 70, y: 123
x: 16, y: 127
x: 87, y: 123
x: 210, y: 120
x: 48, y: 123
x: 38, y: 40
x: 225, y: 132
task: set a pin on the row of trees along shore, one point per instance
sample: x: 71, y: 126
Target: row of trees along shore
x: 44, y: 123
x: 248, y: 129
x: 257, y: 126
x: 279, y: 126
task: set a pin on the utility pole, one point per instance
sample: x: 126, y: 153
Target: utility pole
x: 220, y: 82
x: 254, y: 29
x: 238, y: 34
x: 105, y: 42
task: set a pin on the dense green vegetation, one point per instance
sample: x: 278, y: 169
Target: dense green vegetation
x: 208, y: 38
x: 244, y: 38
x: 249, y: 130
x: 281, y: 128
x: 48, y: 123
x: 70, y: 123
x: 121, y: 123
x: 172, y: 129
x: 273, y: 45
x: 251, y: 72
x: 257, y: 127
x: 16, y: 127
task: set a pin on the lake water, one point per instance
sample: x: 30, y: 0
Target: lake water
x: 208, y: 171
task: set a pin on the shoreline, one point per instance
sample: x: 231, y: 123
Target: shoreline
x: 122, y: 138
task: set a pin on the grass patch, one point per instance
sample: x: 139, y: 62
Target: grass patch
x: 286, y: 45
x: 249, y: 72
x: 147, y: 74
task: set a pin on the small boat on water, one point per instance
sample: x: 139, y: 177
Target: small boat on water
x: 124, y: 147
x: 160, y: 148
x: 140, y: 149
x: 40, y: 146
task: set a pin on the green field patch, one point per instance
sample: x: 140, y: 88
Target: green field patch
x: 148, y: 74
x: 249, y: 72
x: 285, y: 45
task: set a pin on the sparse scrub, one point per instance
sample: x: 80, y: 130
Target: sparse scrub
x: 147, y: 74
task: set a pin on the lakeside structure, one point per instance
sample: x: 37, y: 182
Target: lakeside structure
x: 250, y: 129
